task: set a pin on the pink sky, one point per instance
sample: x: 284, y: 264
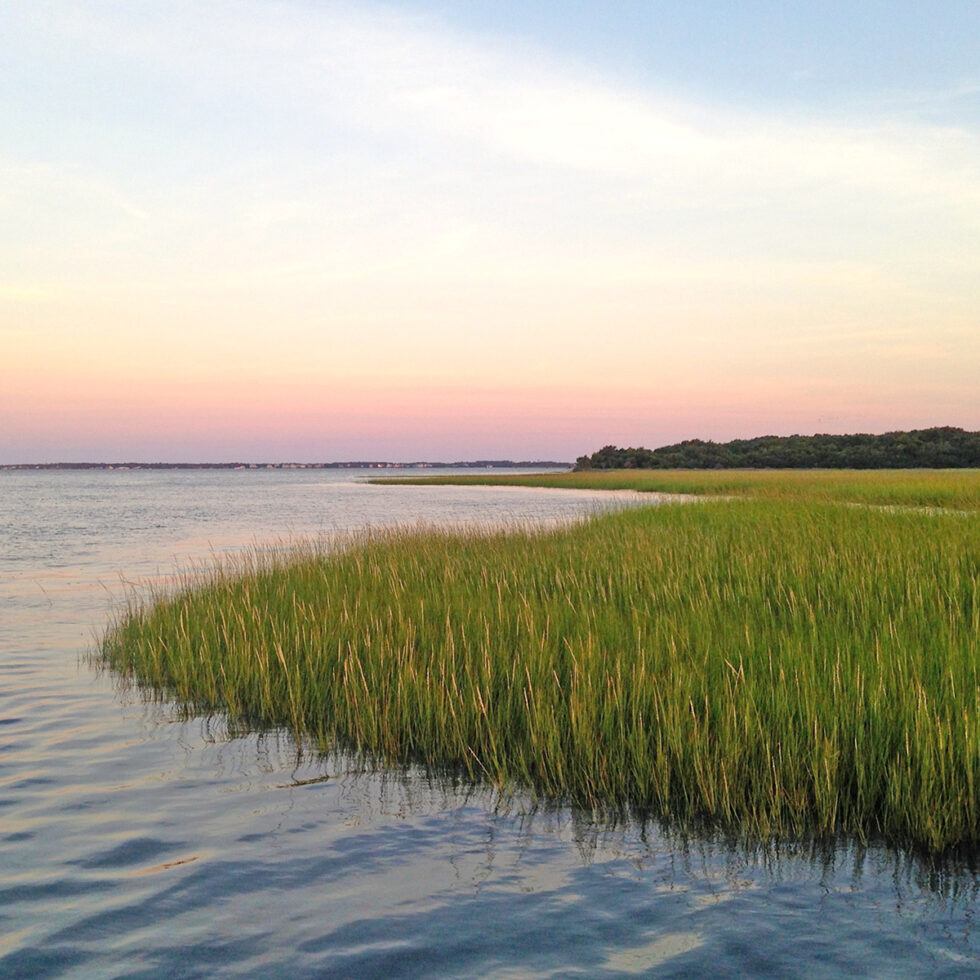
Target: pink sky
x: 158, y: 420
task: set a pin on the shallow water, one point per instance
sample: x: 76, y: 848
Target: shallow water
x: 134, y: 843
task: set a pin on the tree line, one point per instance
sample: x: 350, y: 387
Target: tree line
x: 940, y: 447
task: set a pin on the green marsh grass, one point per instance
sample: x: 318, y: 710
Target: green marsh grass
x: 771, y: 668
x: 956, y: 489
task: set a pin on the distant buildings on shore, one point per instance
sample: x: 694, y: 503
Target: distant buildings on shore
x: 351, y: 465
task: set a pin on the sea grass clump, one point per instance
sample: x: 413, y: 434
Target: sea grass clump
x: 775, y: 666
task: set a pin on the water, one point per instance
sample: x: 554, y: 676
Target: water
x: 135, y: 843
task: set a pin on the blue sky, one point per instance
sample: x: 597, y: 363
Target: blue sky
x: 831, y: 56
x: 287, y: 229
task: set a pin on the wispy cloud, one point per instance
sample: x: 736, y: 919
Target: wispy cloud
x: 394, y: 76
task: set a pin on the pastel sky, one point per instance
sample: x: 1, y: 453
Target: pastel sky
x: 308, y: 230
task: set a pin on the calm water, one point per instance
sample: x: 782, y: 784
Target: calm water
x: 133, y: 843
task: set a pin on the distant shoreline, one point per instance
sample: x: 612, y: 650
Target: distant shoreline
x: 351, y: 465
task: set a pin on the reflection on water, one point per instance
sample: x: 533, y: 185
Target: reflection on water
x: 135, y: 842
x: 261, y: 861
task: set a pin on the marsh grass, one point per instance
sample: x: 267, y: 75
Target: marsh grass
x: 770, y: 667
x: 956, y: 489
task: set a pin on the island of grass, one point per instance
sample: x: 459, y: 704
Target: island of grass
x: 787, y: 661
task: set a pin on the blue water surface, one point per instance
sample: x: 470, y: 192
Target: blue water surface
x: 137, y: 843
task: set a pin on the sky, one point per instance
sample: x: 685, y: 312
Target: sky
x: 301, y: 230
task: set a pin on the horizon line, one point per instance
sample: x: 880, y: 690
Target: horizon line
x: 286, y: 464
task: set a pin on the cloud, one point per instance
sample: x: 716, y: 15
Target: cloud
x: 389, y: 75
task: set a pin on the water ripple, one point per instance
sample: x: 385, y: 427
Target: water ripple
x: 136, y: 843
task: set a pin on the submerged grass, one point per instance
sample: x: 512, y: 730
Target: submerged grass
x: 956, y: 489
x: 773, y: 667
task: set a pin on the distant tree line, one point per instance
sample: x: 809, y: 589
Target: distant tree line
x: 933, y: 448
